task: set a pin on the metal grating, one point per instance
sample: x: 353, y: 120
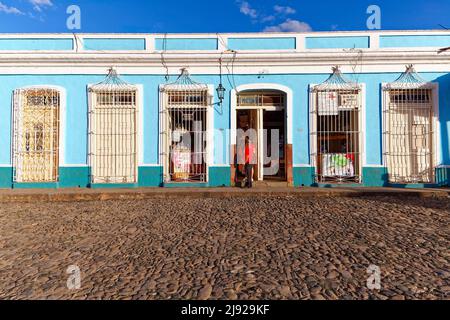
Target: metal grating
x: 408, y: 129
x: 336, y: 130
x: 36, y: 135
x: 113, y: 132
x: 185, y: 123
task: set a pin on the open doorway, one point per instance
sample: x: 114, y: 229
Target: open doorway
x: 261, y: 115
x: 274, y: 147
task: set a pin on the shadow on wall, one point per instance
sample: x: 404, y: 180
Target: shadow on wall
x: 444, y: 117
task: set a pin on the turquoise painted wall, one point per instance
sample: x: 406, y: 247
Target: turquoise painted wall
x: 415, y: 41
x: 110, y: 44
x: 261, y: 43
x: 337, y: 42
x: 186, y: 44
x: 6, y: 176
x: 36, y: 44
x: 76, y: 117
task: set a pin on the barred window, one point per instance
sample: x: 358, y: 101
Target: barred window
x: 336, y: 141
x: 113, y: 121
x: 408, y: 135
x: 337, y: 135
x: 186, y: 112
x: 36, y: 135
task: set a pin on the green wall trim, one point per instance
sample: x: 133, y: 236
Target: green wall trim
x: 6, y: 176
x: 74, y: 177
x: 185, y: 185
x: 150, y: 176
x: 220, y: 176
x: 38, y: 185
x: 443, y: 176
x: 304, y: 176
x: 113, y: 185
x: 375, y: 177
x: 338, y: 185
x: 414, y: 185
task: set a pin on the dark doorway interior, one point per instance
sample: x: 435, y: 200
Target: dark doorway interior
x: 274, y: 120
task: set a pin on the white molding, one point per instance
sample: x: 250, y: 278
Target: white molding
x: 210, y: 131
x: 140, y: 124
x: 436, y: 125
x: 374, y: 41
x: 161, y: 129
x: 363, y: 137
x: 249, y: 68
x: 222, y: 42
x: 300, y: 43
x: 201, y: 62
x: 149, y: 43
x: 302, y: 166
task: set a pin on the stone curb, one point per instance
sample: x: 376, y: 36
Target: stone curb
x: 141, y: 194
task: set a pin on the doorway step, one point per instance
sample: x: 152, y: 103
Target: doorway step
x: 270, y: 184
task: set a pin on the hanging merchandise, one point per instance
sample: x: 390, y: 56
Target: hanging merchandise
x: 185, y: 122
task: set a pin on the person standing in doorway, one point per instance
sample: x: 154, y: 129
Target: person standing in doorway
x: 249, y: 158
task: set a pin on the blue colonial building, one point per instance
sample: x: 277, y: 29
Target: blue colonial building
x: 147, y: 110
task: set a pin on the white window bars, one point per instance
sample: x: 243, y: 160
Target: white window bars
x: 184, y: 124
x: 113, y: 131
x: 36, y: 135
x: 408, y: 135
x: 335, y: 120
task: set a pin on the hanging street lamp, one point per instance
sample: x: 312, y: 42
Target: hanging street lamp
x: 221, y: 92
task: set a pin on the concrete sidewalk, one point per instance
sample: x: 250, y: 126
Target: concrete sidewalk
x: 68, y: 195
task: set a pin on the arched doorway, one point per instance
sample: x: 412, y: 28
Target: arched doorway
x: 261, y: 112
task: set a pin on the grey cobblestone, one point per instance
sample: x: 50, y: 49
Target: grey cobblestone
x: 245, y: 248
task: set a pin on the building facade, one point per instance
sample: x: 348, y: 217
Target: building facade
x: 138, y: 110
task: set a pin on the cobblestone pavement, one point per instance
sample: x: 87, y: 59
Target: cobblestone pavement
x: 259, y: 248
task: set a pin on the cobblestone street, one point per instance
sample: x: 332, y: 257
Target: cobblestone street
x: 243, y: 248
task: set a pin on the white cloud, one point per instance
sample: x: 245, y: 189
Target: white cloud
x: 39, y: 4
x: 284, y: 10
x: 9, y: 10
x: 290, y: 26
x: 247, y: 10
x: 268, y: 18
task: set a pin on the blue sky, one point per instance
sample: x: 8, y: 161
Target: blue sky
x: 161, y: 16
